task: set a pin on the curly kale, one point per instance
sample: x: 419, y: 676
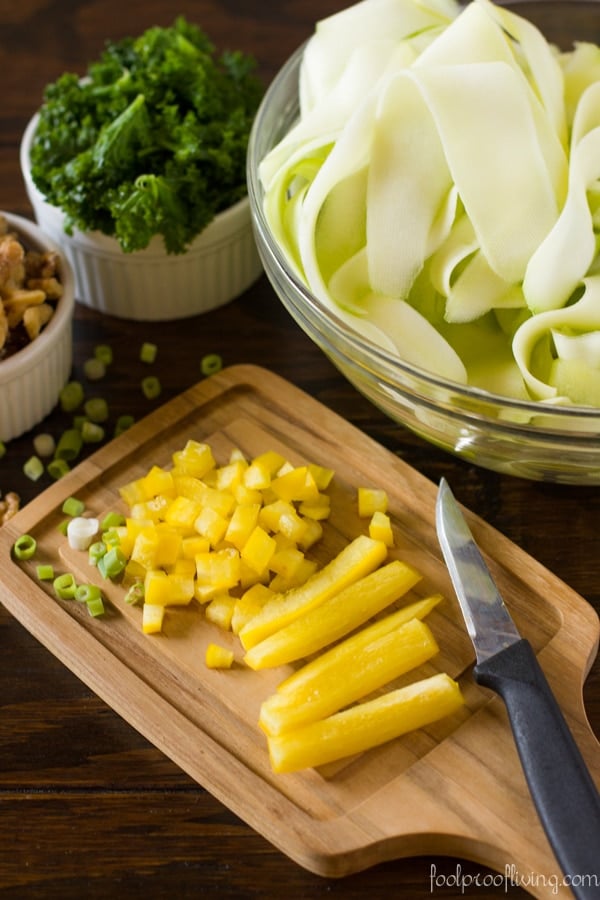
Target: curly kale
x: 152, y: 141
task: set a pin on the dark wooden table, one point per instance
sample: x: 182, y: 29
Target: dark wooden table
x: 87, y: 807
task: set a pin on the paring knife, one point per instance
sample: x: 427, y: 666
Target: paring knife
x: 562, y: 789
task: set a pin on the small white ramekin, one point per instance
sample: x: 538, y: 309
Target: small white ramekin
x: 150, y: 284
x: 33, y: 377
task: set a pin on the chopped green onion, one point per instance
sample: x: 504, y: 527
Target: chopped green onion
x: 92, y: 433
x: 45, y: 572
x: 87, y: 592
x: 71, y: 396
x: 95, y: 552
x: 151, y: 387
x: 135, y: 594
x: 25, y: 546
x: 73, y: 507
x: 33, y: 468
x: 79, y: 421
x: 94, y: 369
x: 95, y: 607
x: 112, y: 520
x: 44, y: 444
x: 104, y: 353
x: 96, y: 409
x: 65, y: 586
x: 211, y: 364
x: 111, y: 538
x: 112, y: 563
x: 123, y: 423
x: 62, y: 527
x: 81, y: 532
x: 69, y: 444
x: 148, y: 352
x: 56, y: 468
x: 2, y: 449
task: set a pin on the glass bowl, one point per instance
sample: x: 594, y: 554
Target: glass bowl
x: 526, y: 439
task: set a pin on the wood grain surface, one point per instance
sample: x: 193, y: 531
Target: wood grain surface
x: 89, y: 806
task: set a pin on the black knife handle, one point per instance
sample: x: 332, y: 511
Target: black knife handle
x: 565, y: 796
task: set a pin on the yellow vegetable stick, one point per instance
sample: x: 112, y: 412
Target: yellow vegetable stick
x: 358, y: 558
x: 366, y: 725
x: 317, y: 672
x: 350, y: 678
x: 335, y: 617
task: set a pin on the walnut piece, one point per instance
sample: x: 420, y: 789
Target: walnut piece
x: 9, y: 506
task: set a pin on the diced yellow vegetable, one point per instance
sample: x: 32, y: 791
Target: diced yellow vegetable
x: 182, y: 512
x: 248, y: 605
x: 380, y: 528
x: 152, y: 618
x: 258, y: 550
x: 159, y: 481
x: 181, y: 588
x: 231, y: 476
x: 241, y: 524
x: 150, y: 510
x: 190, y: 487
x: 134, y: 492
x: 191, y: 546
x: 168, y: 589
x: 366, y: 725
x: 211, y: 525
x: 371, y: 500
x: 220, y: 611
x: 319, y: 508
x: 296, y: 485
x: 349, y: 677
x: 271, y: 460
x: 144, y: 548
x: 216, y: 571
x: 356, y: 559
x: 223, y: 502
x: 250, y: 577
x: 313, y: 532
x: 157, y: 589
x: 335, y: 617
x: 281, y: 583
x: 321, y: 475
x: 218, y: 657
x: 184, y: 566
x: 271, y: 513
x: 168, y: 546
x: 287, y: 561
x: 195, y: 459
x: 260, y: 472
x: 245, y: 496
x: 134, y: 571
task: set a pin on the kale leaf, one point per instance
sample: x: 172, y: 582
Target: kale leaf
x: 152, y: 141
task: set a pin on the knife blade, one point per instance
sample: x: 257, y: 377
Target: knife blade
x: 562, y: 789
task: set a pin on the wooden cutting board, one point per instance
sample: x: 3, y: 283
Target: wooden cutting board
x: 455, y: 788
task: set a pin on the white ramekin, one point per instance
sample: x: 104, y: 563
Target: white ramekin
x: 150, y: 284
x: 32, y: 378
